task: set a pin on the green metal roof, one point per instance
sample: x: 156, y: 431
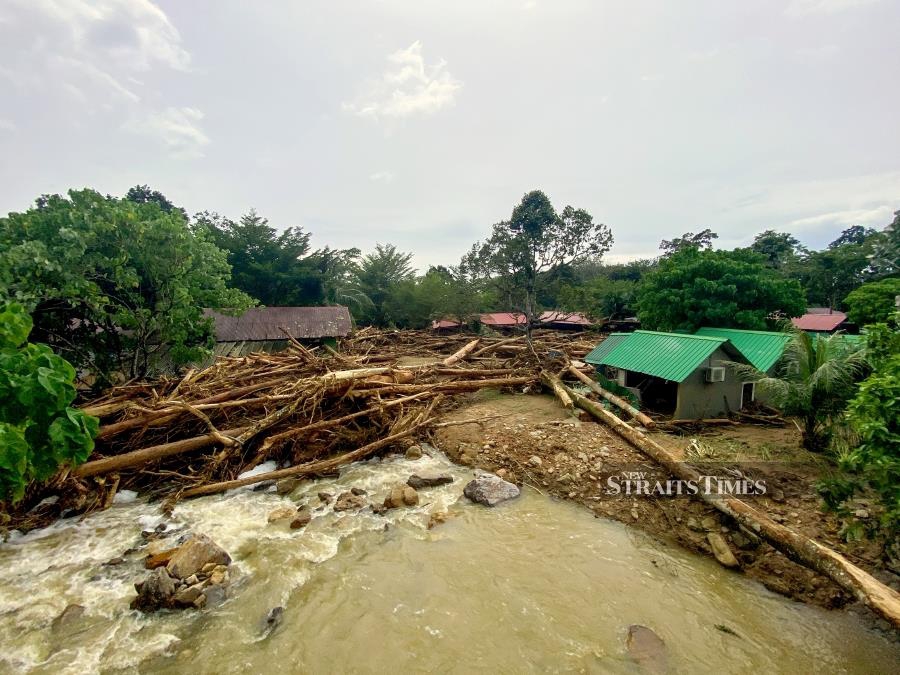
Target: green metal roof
x: 670, y: 356
x: 762, y: 348
x: 601, y: 350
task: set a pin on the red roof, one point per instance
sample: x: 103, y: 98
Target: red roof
x: 820, y: 322
x: 573, y: 318
x: 444, y: 323
x: 503, y: 319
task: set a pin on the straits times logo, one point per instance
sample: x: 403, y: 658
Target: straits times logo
x: 643, y: 484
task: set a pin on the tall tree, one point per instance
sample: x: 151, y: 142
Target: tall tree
x: 778, y: 248
x: 830, y: 275
x: 535, y: 243
x: 693, y: 288
x: 142, y: 194
x: 701, y: 240
x: 885, y: 259
x: 377, y: 276
x: 873, y: 302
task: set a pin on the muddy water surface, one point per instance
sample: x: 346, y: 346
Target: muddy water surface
x: 534, y: 585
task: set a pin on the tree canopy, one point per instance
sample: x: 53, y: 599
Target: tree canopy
x: 873, y: 302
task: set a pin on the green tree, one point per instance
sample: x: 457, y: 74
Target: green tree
x: 780, y: 249
x: 830, y: 275
x: 873, y: 302
x: 39, y: 431
x: 109, y: 281
x: 728, y: 289
x: 885, y: 257
x: 701, y: 240
x: 526, y: 250
x: 142, y: 194
x: 601, y: 297
x: 379, y: 275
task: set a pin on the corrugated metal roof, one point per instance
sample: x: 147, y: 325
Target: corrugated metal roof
x: 762, y: 348
x: 265, y: 323
x: 670, y: 356
x: 503, y: 319
x: 597, y: 354
x: 820, y: 322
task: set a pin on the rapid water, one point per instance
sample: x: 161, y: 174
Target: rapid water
x: 534, y: 585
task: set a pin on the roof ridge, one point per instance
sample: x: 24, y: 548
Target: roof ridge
x: 747, y: 330
x: 681, y: 335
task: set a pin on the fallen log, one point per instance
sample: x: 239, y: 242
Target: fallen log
x: 557, y: 387
x: 461, y: 354
x: 135, y: 458
x: 496, y: 345
x: 321, y: 466
x: 612, y: 398
x: 444, y: 387
x: 882, y: 599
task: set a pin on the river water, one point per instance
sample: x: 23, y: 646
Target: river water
x: 534, y: 585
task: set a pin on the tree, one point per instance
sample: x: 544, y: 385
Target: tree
x: 39, y: 431
x: 110, y: 281
x: 702, y: 240
x: 855, y: 234
x: 831, y: 274
x: 601, y: 297
x: 778, y: 248
x: 142, y: 194
x: 873, y: 302
x: 535, y: 243
x: 378, y: 275
x: 814, y: 380
x: 693, y: 288
x: 885, y: 258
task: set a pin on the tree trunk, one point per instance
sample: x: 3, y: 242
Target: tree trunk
x: 612, y: 398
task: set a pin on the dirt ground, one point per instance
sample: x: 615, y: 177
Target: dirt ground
x: 533, y: 441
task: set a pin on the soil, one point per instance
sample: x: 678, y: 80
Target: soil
x: 537, y: 443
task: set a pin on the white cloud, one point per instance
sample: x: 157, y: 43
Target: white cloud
x: 7, y: 125
x: 382, y: 177
x: 806, y: 7
x: 877, y: 216
x: 408, y: 87
x: 178, y: 128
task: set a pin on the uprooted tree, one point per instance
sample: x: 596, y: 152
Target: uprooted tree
x: 533, y: 244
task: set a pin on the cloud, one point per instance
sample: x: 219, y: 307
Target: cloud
x: 382, y: 177
x: 806, y: 7
x: 877, y: 216
x: 177, y: 128
x: 408, y: 87
x: 7, y: 125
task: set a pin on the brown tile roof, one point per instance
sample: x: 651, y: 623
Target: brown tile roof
x: 265, y: 323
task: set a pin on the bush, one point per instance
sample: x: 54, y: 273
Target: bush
x: 39, y: 431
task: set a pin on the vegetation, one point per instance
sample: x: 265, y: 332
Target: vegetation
x: 874, y: 302
x: 39, y: 431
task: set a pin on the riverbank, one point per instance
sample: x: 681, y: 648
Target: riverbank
x: 538, y: 443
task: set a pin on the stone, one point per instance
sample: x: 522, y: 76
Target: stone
x: 196, y: 552
x: 69, y: 615
x: 208, y: 568
x: 200, y: 602
x: 118, y: 560
x: 490, y: 490
x: 347, y: 501
x: 281, y: 513
x: 286, y: 485
x: 720, y: 550
x: 214, y: 595
x: 502, y: 473
x: 187, y: 596
x: 218, y: 578
x: 410, y: 496
x: 358, y: 491
x: 191, y: 580
x: 535, y: 461
x: 414, y: 452
x: 438, y: 518
x: 155, y: 591
x: 301, y: 519
x: 161, y: 559
x: 425, y: 480
x: 326, y: 497
x: 647, y: 649
x: 273, y: 619
x: 777, y: 495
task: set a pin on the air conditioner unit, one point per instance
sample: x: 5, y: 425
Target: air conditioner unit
x: 715, y: 374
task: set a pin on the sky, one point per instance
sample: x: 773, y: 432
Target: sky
x: 422, y: 123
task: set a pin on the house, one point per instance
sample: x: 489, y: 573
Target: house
x: 503, y: 321
x: 682, y: 375
x: 564, y: 320
x: 823, y: 320
x: 445, y: 325
x: 259, y: 329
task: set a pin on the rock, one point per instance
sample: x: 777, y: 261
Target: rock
x: 200, y: 602
x: 379, y: 509
x: 741, y: 540
x: 647, y: 649
x: 69, y: 615
x: 214, y: 595
x: 535, y: 461
x: 281, y: 513
x: 286, y: 485
x: 414, y: 452
x: 161, y: 559
x: 187, y: 596
x: 155, y: 592
x: 196, y: 552
x: 273, y: 619
x: 502, y: 473
x: 208, y: 568
x: 401, y: 495
x: 301, y: 519
x: 439, y: 518
x: 720, y: 550
x: 118, y: 560
x: 218, y: 578
x: 426, y: 480
x: 326, y: 497
x: 777, y: 495
x: 347, y: 501
x: 358, y: 491
x: 490, y: 490
x: 191, y: 580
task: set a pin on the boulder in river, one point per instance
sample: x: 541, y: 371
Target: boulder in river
x: 69, y: 615
x: 301, y: 519
x: 720, y: 550
x: 348, y: 501
x: 414, y: 452
x: 193, y: 554
x: 281, y: 513
x: 426, y: 480
x: 490, y: 490
x: 286, y: 485
x: 647, y: 649
x: 401, y: 495
x: 155, y: 591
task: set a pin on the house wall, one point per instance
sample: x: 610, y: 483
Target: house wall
x: 698, y: 399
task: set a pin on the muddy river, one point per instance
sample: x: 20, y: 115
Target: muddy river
x: 534, y: 585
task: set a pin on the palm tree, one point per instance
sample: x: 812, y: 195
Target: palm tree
x: 813, y: 381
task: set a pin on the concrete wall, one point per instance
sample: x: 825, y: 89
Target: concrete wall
x: 698, y: 399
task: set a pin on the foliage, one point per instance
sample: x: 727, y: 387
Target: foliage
x: 601, y: 297
x: 108, y: 281
x: 142, y: 194
x: 780, y: 249
x: 39, y: 431
x: 380, y: 276
x: 702, y: 241
x: 830, y: 275
x: 728, y: 289
x: 885, y: 258
x: 525, y: 251
x: 873, y: 302
x: 814, y: 380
